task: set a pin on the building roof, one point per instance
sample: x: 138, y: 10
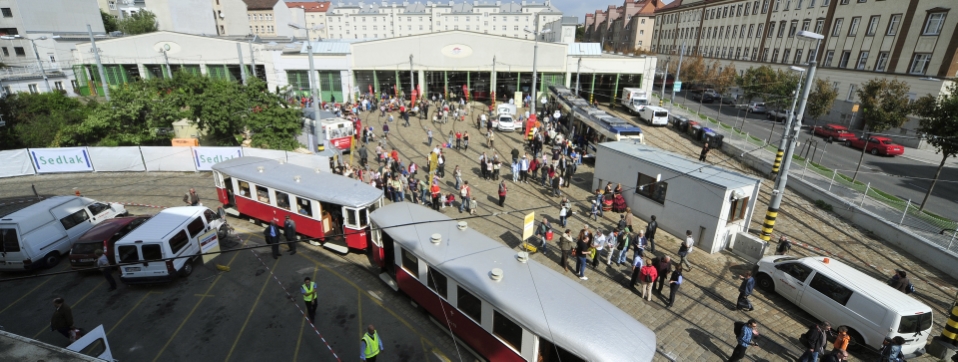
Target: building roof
x: 260, y: 4
x: 583, y: 49
x: 510, y: 8
x: 462, y: 7
x: 680, y: 164
x: 419, y: 8
x: 327, y: 47
x: 310, y: 6
x: 570, y: 20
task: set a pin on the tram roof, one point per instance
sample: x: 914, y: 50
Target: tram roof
x: 542, y: 300
x: 323, y: 186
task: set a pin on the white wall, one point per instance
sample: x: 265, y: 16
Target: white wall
x: 282, y: 16
x: 234, y: 18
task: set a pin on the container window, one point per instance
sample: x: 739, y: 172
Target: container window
x: 303, y: 207
x: 796, y: 270
x: 74, y: 219
x: 97, y: 207
x: 507, y: 330
x: 9, y: 242
x: 128, y: 254
x: 85, y: 248
x: 196, y: 227
x: 410, y: 263
x: 437, y: 282
x: 152, y: 252
x: 468, y: 304
x: 831, y: 288
x: 178, y: 241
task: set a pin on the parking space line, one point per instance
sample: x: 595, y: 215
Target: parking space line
x: 130, y: 311
x: 250, y: 314
x: 73, y: 305
x: 302, y: 324
x: 196, y: 306
x: 27, y: 293
x: 359, y: 301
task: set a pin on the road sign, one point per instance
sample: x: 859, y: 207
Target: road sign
x: 676, y: 87
x: 528, y: 225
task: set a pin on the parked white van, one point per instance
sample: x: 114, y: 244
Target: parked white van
x: 176, y: 232
x: 505, y: 117
x: 655, y: 116
x: 834, y: 292
x: 42, y: 233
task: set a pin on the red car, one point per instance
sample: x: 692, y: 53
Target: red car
x: 878, y: 145
x: 102, y: 236
x: 834, y: 132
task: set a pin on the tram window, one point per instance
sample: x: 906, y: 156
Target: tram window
x: 507, y: 330
x: 262, y: 194
x: 244, y: 188
x: 549, y: 352
x: 282, y: 200
x: 468, y: 304
x: 303, y: 207
x: 351, y: 218
x: 363, y: 218
x: 437, y: 282
x: 410, y: 263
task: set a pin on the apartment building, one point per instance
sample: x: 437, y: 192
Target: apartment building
x: 911, y: 40
x: 314, y: 15
x: 561, y: 31
x: 261, y: 15
x: 388, y: 20
x: 625, y: 28
x: 230, y: 17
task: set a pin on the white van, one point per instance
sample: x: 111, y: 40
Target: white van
x: 505, y: 117
x: 42, y: 233
x: 175, y: 234
x: 656, y: 116
x: 634, y: 99
x: 834, y: 292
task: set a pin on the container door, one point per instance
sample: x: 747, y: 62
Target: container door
x: 93, y: 344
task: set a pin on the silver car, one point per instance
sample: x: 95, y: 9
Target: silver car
x: 756, y: 107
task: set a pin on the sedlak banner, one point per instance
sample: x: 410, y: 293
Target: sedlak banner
x: 55, y: 160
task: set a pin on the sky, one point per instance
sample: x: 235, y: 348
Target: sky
x: 579, y: 8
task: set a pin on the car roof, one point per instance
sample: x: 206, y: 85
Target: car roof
x: 880, y: 138
x: 106, y: 228
x: 160, y: 226
x: 866, y: 285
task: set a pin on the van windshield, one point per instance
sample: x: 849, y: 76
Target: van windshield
x: 661, y: 114
x: 915, y: 323
x: 640, y: 102
x: 85, y: 248
x: 9, y: 242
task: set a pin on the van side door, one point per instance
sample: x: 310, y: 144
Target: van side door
x: 790, y: 280
x: 76, y: 223
x: 826, y: 298
x: 100, y: 212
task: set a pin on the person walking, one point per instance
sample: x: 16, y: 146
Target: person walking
x: 491, y: 138
x: 565, y: 208
x: 370, y: 345
x: 271, y: 233
x: 639, y: 245
x: 542, y: 233
x: 685, y: 249
x: 648, y: 274
x: 466, y: 194
x: 892, y: 351
x: 784, y: 246
x: 62, y: 319
x: 441, y: 165
x: 458, y: 140
x: 705, y: 152
x: 452, y: 137
x: 598, y: 244
x: 465, y: 141
x: 565, y: 245
x: 308, y: 290
x: 555, y: 186
x: 523, y: 168
x: 582, y: 253
x: 429, y: 137
x: 636, y: 270
x: 363, y: 155
x: 191, y: 198
x: 743, y: 339
x: 104, y: 264
x: 650, y: 233
x: 622, y: 241
x: 817, y: 337
x: 675, y: 281
x: 289, y: 230
x: 435, y: 193
x: 663, y: 265
x: 745, y: 290
x: 502, y: 193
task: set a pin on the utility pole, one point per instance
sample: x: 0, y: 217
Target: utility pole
x: 665, y: 75
x: 252, y: 59
x: 40, y: 64
x: 535, y: 55
x: 578, y: 69
x: 781, y: 145
x: 239, y: 55
x: 678, y: 71
x: 412, y: 81
x: 166, y: 47
x: 99, y: 65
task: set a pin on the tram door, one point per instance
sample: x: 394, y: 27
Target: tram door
x: 355, y: 222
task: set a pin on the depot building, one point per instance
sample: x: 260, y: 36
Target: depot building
x: 451, y: 63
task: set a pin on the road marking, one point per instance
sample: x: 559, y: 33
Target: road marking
x: 130, y: 311
x: 44, y: 329
x: 302, y: 323
x: 251, y: 310
x: 197, y: 305
x: 27, y: 293
x: 204, y: 295
x: 359, y: 301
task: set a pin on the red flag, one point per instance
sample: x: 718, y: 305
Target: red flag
x: 414, y: 94
x: 370, y: 89
x: 465, y: 92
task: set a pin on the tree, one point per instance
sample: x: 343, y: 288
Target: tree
x: 580, y: 33
x: 109, y: 22
x: 37, y: 120
x: 781, y: 91
x: 755, y: 82
x: 884, y: 105
x: 724, y: 79
x: 820, y: 99
x: 140, y: 22
x: 938, y: 121
x: 136, y: 115
x: 693, y: 71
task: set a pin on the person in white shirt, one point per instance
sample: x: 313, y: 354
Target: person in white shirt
x: 610, y: 241
x: 598, y: 243
x: 685, y: 249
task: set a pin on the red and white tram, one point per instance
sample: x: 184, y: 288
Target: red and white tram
x: 321, y: 204
x: 503, y: 305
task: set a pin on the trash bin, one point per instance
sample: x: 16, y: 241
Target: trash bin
x: 714, y: 139
x: 680, y: 122
x: 695, y: 131
x: 705, y: 130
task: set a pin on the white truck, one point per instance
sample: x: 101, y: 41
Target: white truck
x: 634, y: 99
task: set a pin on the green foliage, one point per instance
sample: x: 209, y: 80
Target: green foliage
x: 139, y: 114
x: 884, y: 103
x: 724, y: 79
x: 109, y: 21
x: 823, y: 205
x: 756, y: 82
x: 38, y: 120
x: 141, y: 22
x: 820, y: 99
x: 693, y: 70
x: 781, y: 92
x: 939, y: 120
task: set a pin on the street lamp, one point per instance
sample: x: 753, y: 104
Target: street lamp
x: 792, y: 131
x: 313, y: 88
x: 788, y: 122
x: 535, y: 54
x: 36, y: 53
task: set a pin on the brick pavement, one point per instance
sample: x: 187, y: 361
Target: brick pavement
x: 697, y: 328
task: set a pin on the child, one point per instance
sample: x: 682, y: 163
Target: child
x: 449, y: 200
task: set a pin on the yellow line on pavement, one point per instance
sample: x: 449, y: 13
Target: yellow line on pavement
x: 302, y: 323
x: 130, y: 311
x: 249, y: 315
x: 26, y: 294
x: 197, y: 305
x: 359, y: 301
x: 73, y: 305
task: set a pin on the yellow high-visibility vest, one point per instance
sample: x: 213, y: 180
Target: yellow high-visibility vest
x: 372, y: 344
x: 309, y: 296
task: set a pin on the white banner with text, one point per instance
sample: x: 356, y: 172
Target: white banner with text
x: 206, y: 157
x: 56, y: 160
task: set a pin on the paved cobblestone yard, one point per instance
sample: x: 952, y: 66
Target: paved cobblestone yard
x: 697, y: 328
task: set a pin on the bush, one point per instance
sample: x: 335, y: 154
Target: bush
x: 823, y: 205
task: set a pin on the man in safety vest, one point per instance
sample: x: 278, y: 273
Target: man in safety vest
x: 309, y: 297
x: 370, y: 345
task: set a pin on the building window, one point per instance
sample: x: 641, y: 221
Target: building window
x: 843, y: 61
x: 19, y: 51
x: 737, y: 210
x: 764, y: 6
x: 765, y: 55
x: 837, y: 29
x: 893, y: 25
x: 872, y: 25
x: 112, y: 5
x: 806, y: 24
x: 735, y: 30
x: 758, y: 33
x: 785, y: 56
x: 798, y: 56
x: 793, y: 28
x: 819, y: 24
x: 6, y: 52
x: 853, y: 28
x: 919, y: 64
x: 771, y: 29
x: 781, y: 29
x: 7, y: 13
x: 754, y: 53
x: 777, y: 4
x: 882, y: 62
x: 932, y: 25
x: 851, y: 93
x: 33, y: 88
x: 788, y: 4
x: 862, y: 59
x: 648, y: 187
x: 775, y: 56
x: 828, y: 58
x: 642, y: 21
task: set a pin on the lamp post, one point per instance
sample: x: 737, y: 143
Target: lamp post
x: 313, y: 87
x: 535, y: 54
x: 788, y: 123
x: 36, y: 53
x: 779, y: 191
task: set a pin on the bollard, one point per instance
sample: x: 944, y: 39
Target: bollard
x: 834, y: 172
x: 905, y: 213
x: 868, y: 186
x: 804, y: 169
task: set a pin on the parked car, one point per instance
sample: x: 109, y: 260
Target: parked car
x: 778, y: 115
x: 756, y: 107
x: 102, y: 236
x: 701, y: 96
x: 878, y: 146
x: 834, y: 132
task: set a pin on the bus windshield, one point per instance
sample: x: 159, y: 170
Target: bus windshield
x: 661, y: 114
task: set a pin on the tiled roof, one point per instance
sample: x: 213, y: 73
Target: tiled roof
x: 260, y: 4
x: 310, y: 6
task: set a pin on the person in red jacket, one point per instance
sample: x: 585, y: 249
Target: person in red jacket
x: 647, y: 275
